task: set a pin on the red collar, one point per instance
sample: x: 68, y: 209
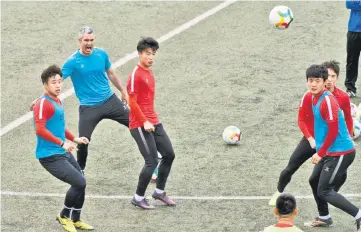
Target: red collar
x: 283, y: 225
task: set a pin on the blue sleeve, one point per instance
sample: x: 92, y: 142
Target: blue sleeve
x: 353, y: 5
x: 67, y: 68
x: 108, y: 64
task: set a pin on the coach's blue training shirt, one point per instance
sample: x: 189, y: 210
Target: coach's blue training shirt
x: 354, y: 23
x: 88, y: 74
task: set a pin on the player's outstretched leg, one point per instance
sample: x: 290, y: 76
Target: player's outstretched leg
x: 302, y: 153
x: 165, y: 147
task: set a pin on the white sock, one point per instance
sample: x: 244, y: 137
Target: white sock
x: 358, y: 215
x: 159, y: 191
x: 324, y: 217
x: 138, y: 198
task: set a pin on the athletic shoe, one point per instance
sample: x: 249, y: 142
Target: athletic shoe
x: 163, y: 197
x: 82, y: 225
x: 351, y: 93
x: 318, y: 222
x: 274, y: 198
x: 142, y: 203
x: 67, y: 223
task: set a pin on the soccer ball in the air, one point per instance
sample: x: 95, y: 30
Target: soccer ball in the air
x: 281, y: 17
x: 232, y: 135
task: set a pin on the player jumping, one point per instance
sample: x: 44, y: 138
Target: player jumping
x: 145, y: 127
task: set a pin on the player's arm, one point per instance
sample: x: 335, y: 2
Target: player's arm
x: 329, y: 112
x: 347, y: 113
x: 353, y: 5
x: 302, y: 114
x: 43, y: 111
x: 113, y: 77
x: 133, y: 89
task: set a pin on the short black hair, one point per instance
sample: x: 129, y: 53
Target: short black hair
x: 50, y: 72
x: 147, y: 42
x: 285, y: 204
x: 334, y: 65
x: 317, y: 71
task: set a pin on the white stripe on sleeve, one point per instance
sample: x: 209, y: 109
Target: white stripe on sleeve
x: 41, y: 108
x: 328, y: 101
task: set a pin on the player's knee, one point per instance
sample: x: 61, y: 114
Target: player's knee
x: 153, y: 165
x: 313, y: 181
x: 80, y: 185
x: 324, y: 193
x: 152, y: 162
x: 287, y: 172
x: 83, y: 148
x: 169, y: 155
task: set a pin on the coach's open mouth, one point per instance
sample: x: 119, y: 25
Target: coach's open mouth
x: 88, y: 48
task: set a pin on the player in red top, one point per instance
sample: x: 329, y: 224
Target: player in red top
x: 335, y: 150
x: 306, y: 147
x: 342, y: 97
x: 145, y: 127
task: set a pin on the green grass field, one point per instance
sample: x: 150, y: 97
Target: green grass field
x: 232, y: 68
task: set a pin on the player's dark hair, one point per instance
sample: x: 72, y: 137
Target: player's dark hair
x: 334, y: 65
x: 147, y: 42
x: 50, y: 72
x: 317, y: 71
x: 285, y: 204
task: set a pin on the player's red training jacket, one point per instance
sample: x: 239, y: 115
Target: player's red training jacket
x: 141, y: 91
x: 43, y: 111
x: 305, y: 113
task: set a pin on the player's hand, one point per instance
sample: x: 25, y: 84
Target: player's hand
x: 68, y: 146
x: 124, y: 97
x: 312, y: 142
x: 316, y: 158
x: 81, y: 140
x: 33, y: 104
x: 148, y: 126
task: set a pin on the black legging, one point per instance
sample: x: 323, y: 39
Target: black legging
x: 300, y: 155
x: 149, y: 143
x: 65, y: 168
x: 326, y: 174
